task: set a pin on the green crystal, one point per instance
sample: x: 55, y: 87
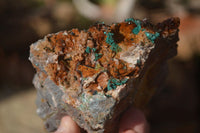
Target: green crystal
x: 129, y: 20
x: 137, y: 29
x: 113, y: 83
x: 87, y: 50
x: 97, y: 56
x: 94, y: 49
x: 151, y: 36
x: 109, y: 39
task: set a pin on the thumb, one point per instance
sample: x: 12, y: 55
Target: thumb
x: 133, y: 121
x: 67, y: 125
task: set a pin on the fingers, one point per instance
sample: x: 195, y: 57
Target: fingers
x: 133, y: 121
x: 67, y: 125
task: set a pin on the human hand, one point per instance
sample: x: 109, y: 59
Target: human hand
x: 133, y: 121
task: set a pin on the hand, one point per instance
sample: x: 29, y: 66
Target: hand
x: 133, y: 121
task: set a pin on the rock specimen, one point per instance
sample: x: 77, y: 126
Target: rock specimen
x: 95, y: 75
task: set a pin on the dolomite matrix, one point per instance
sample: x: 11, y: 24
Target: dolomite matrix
x: 94, y: 75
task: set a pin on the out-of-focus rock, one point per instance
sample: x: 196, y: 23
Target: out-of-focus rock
x: 95, y: 75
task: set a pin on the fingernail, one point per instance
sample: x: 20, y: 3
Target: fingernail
x: 60, y: 130
x: 129, y: 131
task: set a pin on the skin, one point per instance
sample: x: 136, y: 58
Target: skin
x: 133, y: 121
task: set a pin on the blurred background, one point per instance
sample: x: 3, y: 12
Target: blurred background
x: 175, y: 109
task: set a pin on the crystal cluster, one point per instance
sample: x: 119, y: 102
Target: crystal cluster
x: 94, y: 75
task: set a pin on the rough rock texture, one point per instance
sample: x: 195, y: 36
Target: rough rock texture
x: 95, y: 75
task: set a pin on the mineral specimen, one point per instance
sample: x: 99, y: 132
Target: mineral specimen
x: 95, y: 75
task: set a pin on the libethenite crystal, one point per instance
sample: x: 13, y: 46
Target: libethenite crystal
x: 137, y: 29
x: 96, y: 75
